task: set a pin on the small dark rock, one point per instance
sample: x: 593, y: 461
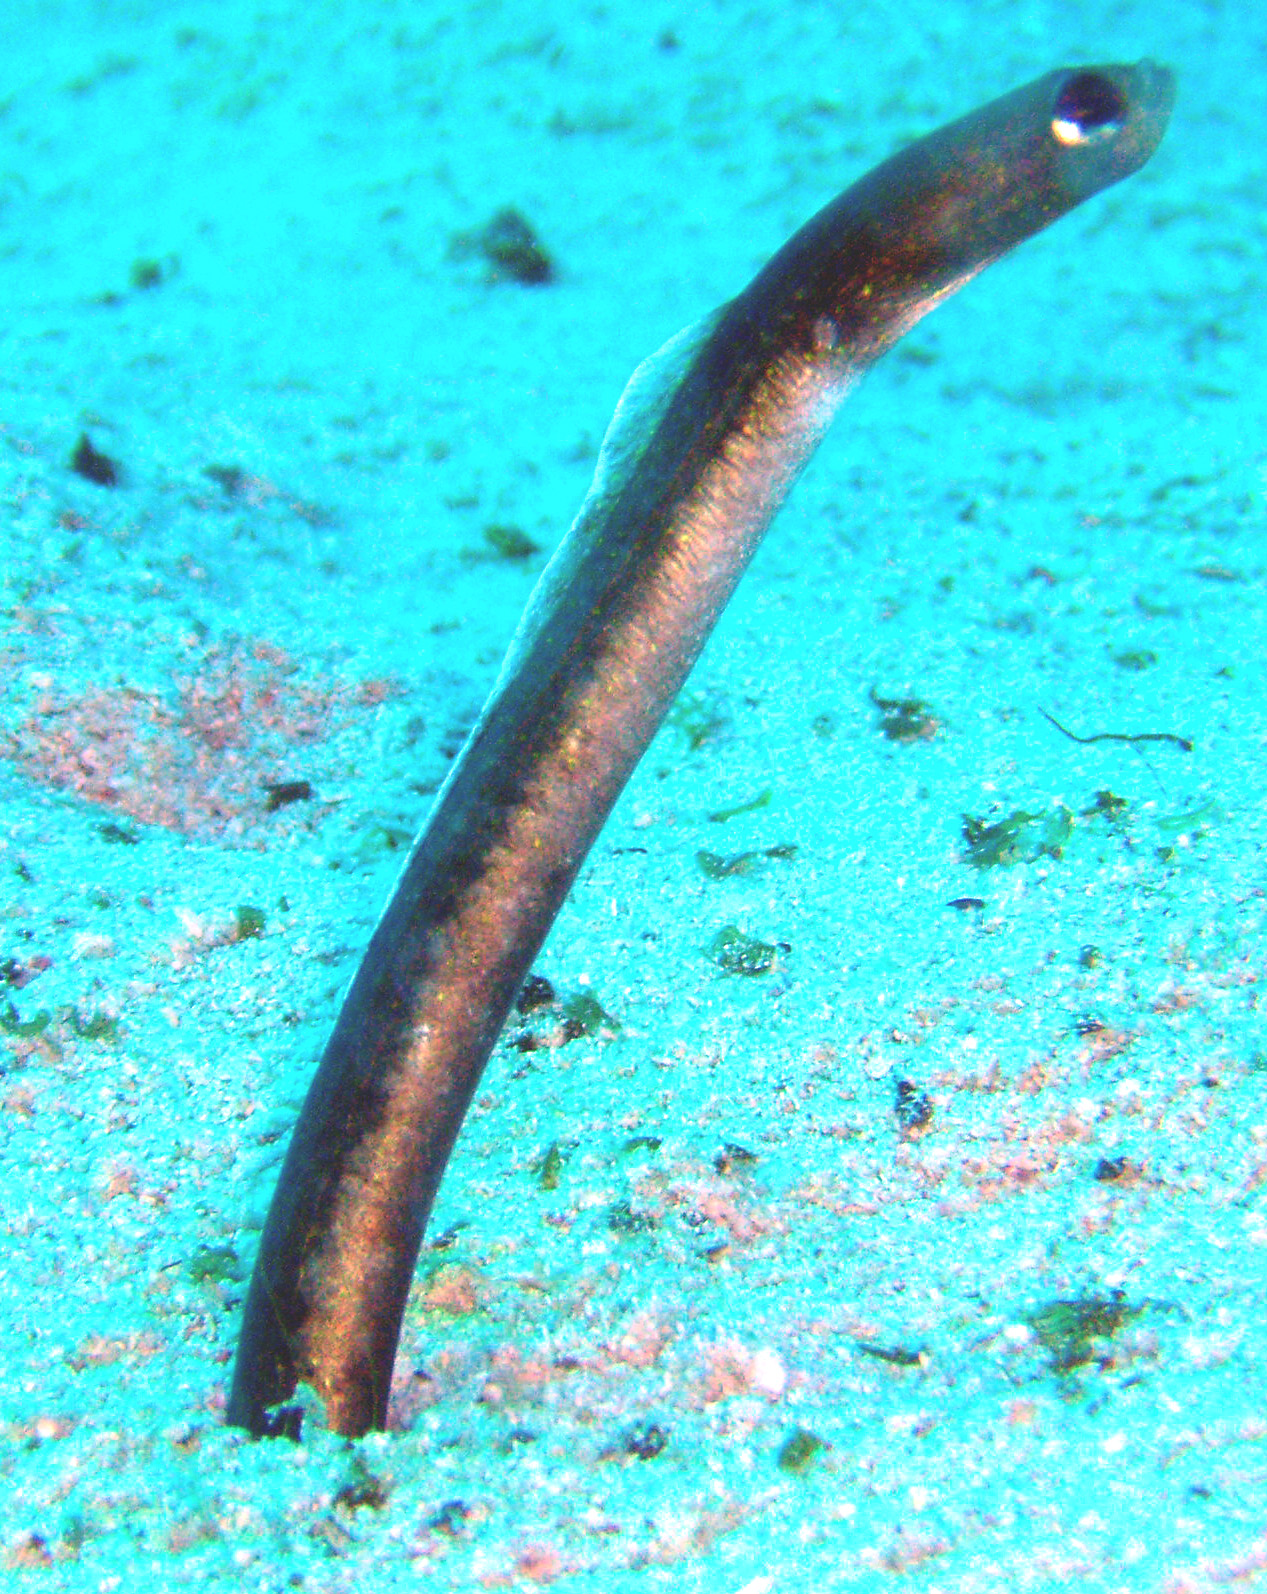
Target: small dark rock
x: 91, y: 464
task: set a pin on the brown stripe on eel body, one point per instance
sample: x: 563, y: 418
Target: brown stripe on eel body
x: 705, y: 444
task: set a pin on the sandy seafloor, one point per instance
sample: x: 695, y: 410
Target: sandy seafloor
x: 703, y: 1312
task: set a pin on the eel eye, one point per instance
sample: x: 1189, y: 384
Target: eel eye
x: 1088, y: 106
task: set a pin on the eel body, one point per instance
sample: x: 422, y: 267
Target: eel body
x: 704, y: 446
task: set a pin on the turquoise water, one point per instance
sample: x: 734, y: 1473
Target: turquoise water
x: 931, y: 1253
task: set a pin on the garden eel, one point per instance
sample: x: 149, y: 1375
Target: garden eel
x: 704, y: 446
